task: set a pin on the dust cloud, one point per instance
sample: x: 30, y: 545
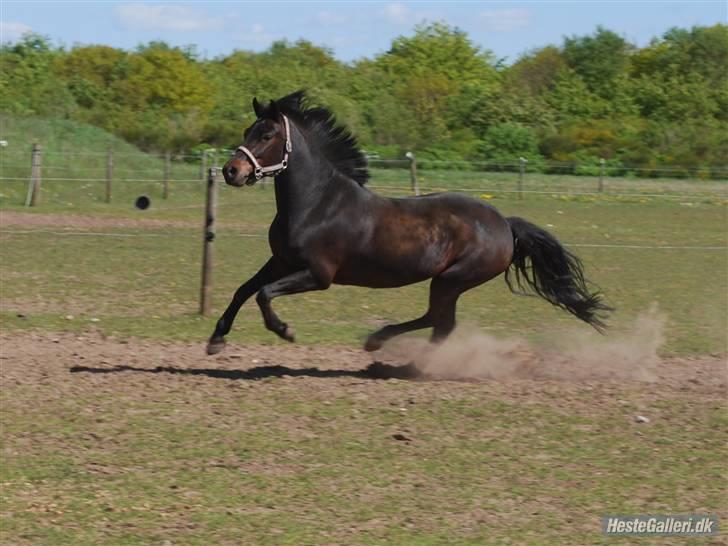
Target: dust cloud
x: 576, y: 355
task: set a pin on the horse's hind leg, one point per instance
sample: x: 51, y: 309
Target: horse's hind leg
x: 447, y: 287
x: 440, y: 312
x: 444, y: 295
x: 377, y: 339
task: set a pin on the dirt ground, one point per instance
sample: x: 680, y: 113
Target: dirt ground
x: 78, y: 362
x: 125, y: 393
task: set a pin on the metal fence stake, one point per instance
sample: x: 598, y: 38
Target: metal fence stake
x: 207, y: 248
x: 413, y: 172
x: 36, y: 158
x: 109, y: 173
x: 521, y: 174
x: 167, y: 174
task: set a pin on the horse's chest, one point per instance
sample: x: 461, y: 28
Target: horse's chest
x: 283, y: 245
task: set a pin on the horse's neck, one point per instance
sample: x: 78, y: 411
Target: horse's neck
x: 306, y: 183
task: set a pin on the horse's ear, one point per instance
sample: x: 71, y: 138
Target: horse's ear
x: 273, y: 112
x: 257, y: 108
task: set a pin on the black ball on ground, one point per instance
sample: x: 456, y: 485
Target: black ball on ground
x: 142, y: 202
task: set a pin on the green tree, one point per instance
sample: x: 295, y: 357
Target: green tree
x: 535, y: 72
x: 163, y: 98
x: 599, y: 59
x: 28, y: 85
x: 683, y: 75
x: 436, y: 76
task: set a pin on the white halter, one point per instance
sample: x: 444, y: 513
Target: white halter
x: 270, y: 170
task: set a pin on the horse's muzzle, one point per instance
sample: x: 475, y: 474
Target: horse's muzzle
x: 238, y: 172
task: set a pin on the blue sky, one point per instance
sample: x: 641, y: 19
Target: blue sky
x: 351, y: 29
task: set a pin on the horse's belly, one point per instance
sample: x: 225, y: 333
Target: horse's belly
x: 361, y: 272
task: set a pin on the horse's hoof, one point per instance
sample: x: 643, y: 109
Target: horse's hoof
x: 288, y: 334
x: 373, y: 343
x: 214, y: 346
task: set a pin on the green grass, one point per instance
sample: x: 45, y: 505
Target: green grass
x: 147, y: 284
x: 138, y: 458
x: 74, y: 166
x: 75, y: 160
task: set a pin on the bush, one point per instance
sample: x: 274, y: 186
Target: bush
x: 440, y: 159
x: 509, y: 140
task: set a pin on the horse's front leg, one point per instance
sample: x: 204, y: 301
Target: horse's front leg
x: 271, y: 271
x: 301, y: 281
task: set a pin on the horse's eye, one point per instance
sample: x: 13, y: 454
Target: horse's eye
x: 267, y: 136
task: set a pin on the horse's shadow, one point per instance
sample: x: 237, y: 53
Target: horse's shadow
x: 376, y: 370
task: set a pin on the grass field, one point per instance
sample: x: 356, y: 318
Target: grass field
x: 142, y: 279
x: 117, y: 430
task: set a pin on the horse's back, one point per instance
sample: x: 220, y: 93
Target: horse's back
x: 456, y: 208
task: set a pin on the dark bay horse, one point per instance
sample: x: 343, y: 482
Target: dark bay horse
x: 330, y: 229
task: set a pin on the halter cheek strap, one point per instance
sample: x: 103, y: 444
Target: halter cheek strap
x: 270, y: 170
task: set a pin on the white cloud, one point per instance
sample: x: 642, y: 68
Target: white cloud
x: 11, y: 31
x: 506, y: 20
x: 398, y: 13
x: 328, y: 18
x: 165, y: 17
x: 256, y: 36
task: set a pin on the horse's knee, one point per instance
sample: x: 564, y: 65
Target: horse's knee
x: 262, y: 298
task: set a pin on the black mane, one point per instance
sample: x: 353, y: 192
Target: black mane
x: 337, y: 143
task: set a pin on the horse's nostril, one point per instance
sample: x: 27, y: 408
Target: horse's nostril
x: 231, y: 171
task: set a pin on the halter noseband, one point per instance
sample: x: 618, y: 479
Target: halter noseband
x: 270, y: 170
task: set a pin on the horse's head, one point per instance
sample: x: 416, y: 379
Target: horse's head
x: 265, y: 149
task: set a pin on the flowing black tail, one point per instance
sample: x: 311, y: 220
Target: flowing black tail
x: 553, y: 273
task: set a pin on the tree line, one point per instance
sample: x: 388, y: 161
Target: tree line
x: 434, y: 91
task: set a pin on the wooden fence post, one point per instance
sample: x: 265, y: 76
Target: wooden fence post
x: 601, y: 174
x: 209, y: 238
x: 413, y: 172
x: 167, y: 174
x: 203, y: 165
x: 521, y: 174
x: 36, y: 158
x: 109, y: 173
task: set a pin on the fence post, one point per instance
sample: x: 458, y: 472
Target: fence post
x: 601, y: 174
x: 203, y: 165
x: 209, y: 238
x: 33, y: 197
x: 167, y: 174
x: 213, y: 163
x: 413, y: 172
x: 109, y: 173
x: 521, y: 174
